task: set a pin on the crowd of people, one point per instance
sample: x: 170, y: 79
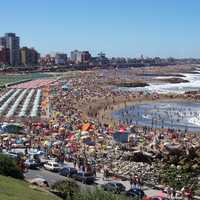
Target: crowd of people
x: 78, y: 129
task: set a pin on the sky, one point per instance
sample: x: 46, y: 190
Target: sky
x: 119, y: 28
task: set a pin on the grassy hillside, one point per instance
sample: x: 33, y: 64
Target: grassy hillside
x: 13, y: 189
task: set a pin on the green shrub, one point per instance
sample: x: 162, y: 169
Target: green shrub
x: 8, y: 167
x: 99, y: 194
x: 66, y: 189
x: 69, y: 190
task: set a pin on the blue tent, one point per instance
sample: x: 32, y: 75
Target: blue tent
x: 11, y: 128
x: 121, y: 137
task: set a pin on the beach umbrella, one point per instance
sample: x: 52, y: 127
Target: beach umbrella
x: 122, y: 130
x: 86, y: 127
x: 71, y: 137
x: 57, y: 143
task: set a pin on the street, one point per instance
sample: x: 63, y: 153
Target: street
x: 52, y: 178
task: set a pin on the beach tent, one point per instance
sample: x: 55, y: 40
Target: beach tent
x: 11, y: 128
x: 121, y: 137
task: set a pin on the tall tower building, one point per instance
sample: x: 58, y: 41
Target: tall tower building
x: 12, y: 42
x: 4, y: 55
x: 75, y: 55
x: 2, y: 42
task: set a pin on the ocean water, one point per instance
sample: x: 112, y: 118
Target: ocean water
x: 184, y: 116
x: 178, y: 88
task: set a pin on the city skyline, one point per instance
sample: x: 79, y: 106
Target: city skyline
x: 118, y: 28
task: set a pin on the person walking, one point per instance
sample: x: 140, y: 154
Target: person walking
x: 173, y: 193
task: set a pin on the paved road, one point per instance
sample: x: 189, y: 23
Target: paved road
x: 42, y: 173
x: 52, y: 177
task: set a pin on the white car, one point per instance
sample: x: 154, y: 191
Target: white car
x: 52, y: 166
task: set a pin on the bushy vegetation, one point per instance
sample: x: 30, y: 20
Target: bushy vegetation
x: 69, y: 190
x: 8, y: 167
x: 66, y: 188
x: 99, y: 194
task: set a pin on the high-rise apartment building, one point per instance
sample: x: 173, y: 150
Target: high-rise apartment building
x: 85, y: 57
x: 80, y: 56
x: 4, y: 56
x: 60, y: 59
x: 2, y: 42
x: 75, y: 56
x: 12, y: 42
x: 29, y: 56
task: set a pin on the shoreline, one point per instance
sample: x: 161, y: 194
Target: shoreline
x: 104, y: 109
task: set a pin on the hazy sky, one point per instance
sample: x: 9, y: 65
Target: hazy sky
x: 117, y: 27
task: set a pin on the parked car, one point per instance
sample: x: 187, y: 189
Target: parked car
x: 68, y: 171
x: 39, y: 182
x: 11, y: 154
x: 52, y: 166
x: 135, y: 192
x: 114, y: 187
x: 31, y: 164
x: 84, y: 177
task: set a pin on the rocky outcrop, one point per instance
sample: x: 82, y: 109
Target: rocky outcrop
x: 173, y: 80
x: 128, y: 83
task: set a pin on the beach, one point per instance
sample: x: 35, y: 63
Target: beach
x: 74, y: 123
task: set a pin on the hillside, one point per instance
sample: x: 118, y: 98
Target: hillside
x: 13, y: 189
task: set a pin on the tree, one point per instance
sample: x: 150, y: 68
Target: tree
x: 8, y: 167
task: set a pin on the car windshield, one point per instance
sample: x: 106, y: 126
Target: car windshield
x: 55, y: 165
